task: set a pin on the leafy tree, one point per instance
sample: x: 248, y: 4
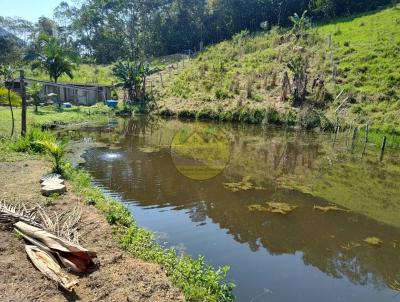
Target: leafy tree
x: 7, y: 73
x: 51, y: 57
x: 35, y: 93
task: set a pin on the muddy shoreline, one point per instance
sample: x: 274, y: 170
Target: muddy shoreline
x: 118, y: 276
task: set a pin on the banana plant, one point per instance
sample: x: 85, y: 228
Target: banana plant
x: 132, y: 77
x: 300, y: 24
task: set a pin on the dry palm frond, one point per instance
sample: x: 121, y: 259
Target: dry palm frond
x: 71, y: 255
x: 48, y: 265
x: 10, y: 214
x: 64, y: 225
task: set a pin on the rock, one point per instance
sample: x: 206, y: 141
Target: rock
x: 53, y: 189
x: 50, y: 176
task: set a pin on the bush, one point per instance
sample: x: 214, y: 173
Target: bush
x: 273, y: 117
x: 15, y: 98
x: 167, y: 112
x: 29, y: 143
x: 207, y: 114
x: 187, y: 114
x: 309, y: 119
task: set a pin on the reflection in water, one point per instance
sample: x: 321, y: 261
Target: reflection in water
x: 306, y: 255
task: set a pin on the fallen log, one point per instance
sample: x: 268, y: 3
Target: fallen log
x: 49, y: 267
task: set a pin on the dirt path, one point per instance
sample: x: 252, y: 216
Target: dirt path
x: 119, y: 277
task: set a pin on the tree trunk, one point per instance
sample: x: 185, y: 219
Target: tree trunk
x: 12, y: 112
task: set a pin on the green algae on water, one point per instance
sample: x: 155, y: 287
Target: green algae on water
x: 273, y: 207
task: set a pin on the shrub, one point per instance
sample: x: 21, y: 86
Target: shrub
x: 207, y: 113
x: 15, y: 98
x: 167, y: 112
x: 57, y: 152
x: 222, y: 94
x: 187, y: 114
x: 273, y: 117
x: 29, y: 143
x: 309, y: 119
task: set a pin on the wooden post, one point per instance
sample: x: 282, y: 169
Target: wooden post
x: 337, y: 127
x: 383, y: 147
x: 23, y: 97
x: 366, y: 139
x: 347, y: 134
x: 162, y: 83
x: 353, y: 140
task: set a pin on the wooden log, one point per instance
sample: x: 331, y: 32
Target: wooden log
x: 53, y: 188
x: 50, y: 176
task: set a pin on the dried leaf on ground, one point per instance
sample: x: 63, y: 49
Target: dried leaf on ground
x: 48, y: 265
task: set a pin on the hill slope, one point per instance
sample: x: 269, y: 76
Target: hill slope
x: 241, y: 79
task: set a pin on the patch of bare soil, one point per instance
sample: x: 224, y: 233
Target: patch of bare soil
x: 118, y: 276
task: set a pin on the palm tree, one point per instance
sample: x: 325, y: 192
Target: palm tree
x: 51, y: 57
x: 7, y: 73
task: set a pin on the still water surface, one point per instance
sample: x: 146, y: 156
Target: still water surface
x: 306, y: 255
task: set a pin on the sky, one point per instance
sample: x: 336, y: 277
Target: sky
x: 28, y: 9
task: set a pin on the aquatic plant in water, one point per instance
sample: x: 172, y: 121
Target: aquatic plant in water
x: 375, y: 241
x: 149, y: 149
x: 330, y: 208
x: 243, y: 185
x: 273, y: 207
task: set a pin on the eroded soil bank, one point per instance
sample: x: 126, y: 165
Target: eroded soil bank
x: 118, y: 276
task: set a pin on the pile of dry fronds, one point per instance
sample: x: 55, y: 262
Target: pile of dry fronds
x: 52, y: 241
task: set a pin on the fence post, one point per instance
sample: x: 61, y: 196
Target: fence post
x: 162, y: 83
x: 366, y: 139
x: 23, y: 97
x: 383, y: 147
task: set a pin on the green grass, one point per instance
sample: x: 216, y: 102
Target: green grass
x: 246, y: 72
x: 51, y: 115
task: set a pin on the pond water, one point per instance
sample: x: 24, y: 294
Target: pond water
x: 193, y: 184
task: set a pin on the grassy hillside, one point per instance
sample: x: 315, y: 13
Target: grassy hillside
x: 240, y: 79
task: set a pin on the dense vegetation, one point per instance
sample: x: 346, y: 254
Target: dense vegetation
x: 106, y: 31
x: 243, y: 79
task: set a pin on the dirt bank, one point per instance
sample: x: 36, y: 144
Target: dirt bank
x: 119, y: 277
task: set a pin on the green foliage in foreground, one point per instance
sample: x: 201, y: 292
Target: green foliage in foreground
x: 50, y: 115
x: 198, y: 281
